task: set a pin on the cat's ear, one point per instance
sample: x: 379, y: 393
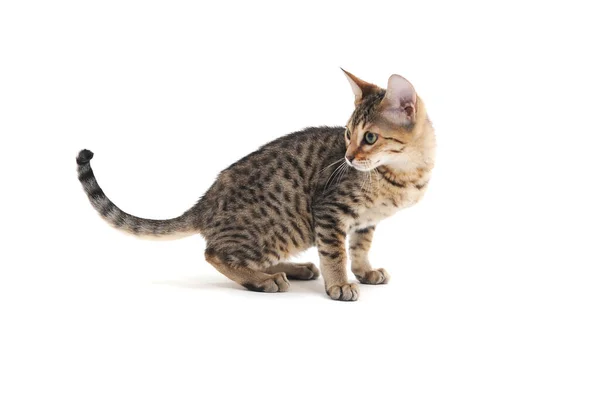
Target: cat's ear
x: 399, y: 103
x: 360, y: 88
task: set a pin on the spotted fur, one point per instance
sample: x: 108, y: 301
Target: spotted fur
x: 297, y: 192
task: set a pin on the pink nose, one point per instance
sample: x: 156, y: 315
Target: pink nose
x: 350, y: 158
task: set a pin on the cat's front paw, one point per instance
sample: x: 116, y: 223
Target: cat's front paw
x: 347, y: 292
x: 374, y: 277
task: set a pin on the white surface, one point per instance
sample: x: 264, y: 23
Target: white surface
x: 495, y: 275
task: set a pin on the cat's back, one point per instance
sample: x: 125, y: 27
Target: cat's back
x: 273, y: 183
x: 291, y: 157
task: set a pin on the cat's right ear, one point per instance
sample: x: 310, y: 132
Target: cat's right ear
x: 360, y: 88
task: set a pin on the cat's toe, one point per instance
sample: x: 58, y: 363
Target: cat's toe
x: 374, y: 277
x: 276, y: 283
x: 280, y: 279
x: 347, y: 292
x: 311, y: 272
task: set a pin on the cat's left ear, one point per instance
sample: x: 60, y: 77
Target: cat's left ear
x: 399, y: 103
x: 360, y: 88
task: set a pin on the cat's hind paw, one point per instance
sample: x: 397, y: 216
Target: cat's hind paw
x: 374, y: 277
x: 276, y: 283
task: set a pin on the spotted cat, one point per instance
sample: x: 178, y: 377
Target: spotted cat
x: 309, y: 188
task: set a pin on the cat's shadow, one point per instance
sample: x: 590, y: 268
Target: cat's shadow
x: 210, y: 283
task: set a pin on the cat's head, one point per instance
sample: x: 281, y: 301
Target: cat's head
x: 387, y: 126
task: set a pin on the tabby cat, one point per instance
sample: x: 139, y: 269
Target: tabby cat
x: 312, y: 187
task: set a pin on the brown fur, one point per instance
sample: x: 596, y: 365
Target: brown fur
x: 299, y: 191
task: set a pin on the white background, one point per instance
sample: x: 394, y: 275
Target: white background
x: 495, y: 275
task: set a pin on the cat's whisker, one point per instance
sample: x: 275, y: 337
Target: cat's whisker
x: 364, y: 181
x: 333, y: 174
x: 347, y: 169
x: 338, y: 168
x: 333, y: 163
x: 342, y: 173
x: 378, y: 176
x: 339, y: 175
x: 334, y: 171
x: 335, y: 180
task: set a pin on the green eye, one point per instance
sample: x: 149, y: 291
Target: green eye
x: 370, y: 137
x: 347, y: 133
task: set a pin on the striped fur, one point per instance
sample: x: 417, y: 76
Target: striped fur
x: 297, y: 192
x: 160, y: 229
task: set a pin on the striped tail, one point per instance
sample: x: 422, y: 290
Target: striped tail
x: 164, y: 229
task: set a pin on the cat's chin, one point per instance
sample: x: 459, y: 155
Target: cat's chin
x: 365, y: 167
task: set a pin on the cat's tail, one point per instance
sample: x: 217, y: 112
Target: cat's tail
x: 160, y: 229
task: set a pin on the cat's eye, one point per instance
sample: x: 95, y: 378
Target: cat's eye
x: 370, y: 137
x: 347, y: 133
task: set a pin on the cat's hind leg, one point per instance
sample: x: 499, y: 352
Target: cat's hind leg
x: 241, y: 271
x: 300, y: 271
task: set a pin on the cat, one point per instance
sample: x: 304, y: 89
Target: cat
x: 312, y: 187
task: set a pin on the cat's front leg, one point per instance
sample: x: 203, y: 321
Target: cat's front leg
x: 360, y: 243
x: 331, y: 240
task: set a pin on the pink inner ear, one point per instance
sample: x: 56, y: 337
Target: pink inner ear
x: 398, y: 105
x: 399, y: 92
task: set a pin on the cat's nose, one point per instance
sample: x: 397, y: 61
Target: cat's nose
x: 350, y: 158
